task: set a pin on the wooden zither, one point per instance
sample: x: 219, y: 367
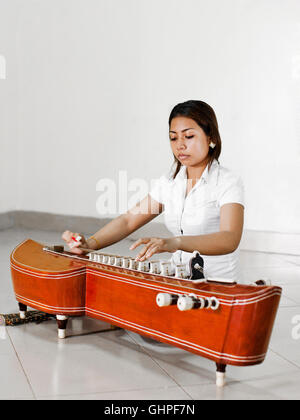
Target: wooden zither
x: 226, y: 322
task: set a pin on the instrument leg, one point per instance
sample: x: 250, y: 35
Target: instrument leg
x: 23, y: 309
x: 220, y: 374
x: 62, y: 325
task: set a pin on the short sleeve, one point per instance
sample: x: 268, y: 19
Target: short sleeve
x: 158, y: 190
x: 231, y: 191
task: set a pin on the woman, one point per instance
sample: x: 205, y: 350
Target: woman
x: 202, y: 201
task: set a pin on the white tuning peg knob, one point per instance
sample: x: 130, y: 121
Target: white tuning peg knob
x: 214, y: 303
x: 185, y: 303
x: 165, y: 299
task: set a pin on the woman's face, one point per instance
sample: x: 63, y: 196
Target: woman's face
x: 189, y: 143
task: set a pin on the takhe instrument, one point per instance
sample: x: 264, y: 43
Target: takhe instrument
x: 226, y: 322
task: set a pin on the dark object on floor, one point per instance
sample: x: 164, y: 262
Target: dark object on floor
x: 31, y: 316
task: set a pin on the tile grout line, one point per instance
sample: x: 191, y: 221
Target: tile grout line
x: 284, y: 358
x: 27, y: 379
x: 173, y: 379
x: 109, y: 391
x: 295, y: 303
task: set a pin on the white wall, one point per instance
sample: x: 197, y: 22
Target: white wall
x: 97, y: 79
x: 8, y: 114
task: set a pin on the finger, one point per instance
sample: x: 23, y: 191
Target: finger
x: 82, y: 241
x: 139, y: 242
x: 140, y: 256
x: 66, y: 236
x: 71, y: 237
x: 150, y: 251
x: 76, y: 250
x: 73, y: 243
x: 77, y: 240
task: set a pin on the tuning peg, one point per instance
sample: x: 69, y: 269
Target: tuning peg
x: 186, y: 303
x: 166, y: 299
x: 214, y: 303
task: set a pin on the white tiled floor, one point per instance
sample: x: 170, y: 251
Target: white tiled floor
x: 121, y: 365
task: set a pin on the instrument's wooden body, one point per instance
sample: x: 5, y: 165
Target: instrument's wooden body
x: 47, y: 282
x: 237, y: 333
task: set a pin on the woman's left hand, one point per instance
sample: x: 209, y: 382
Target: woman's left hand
x: 155, y: 246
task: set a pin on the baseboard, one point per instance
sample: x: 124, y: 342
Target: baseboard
x: 273, y: 242
x: 258, y: 241
x: 6, y: 220
x: 57, y: 222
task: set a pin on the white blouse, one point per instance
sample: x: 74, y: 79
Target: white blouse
x: 199, y: 212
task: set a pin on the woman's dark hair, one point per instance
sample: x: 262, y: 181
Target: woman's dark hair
x: 205, y: 117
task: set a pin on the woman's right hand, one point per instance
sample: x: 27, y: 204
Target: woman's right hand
x: 68, y: 236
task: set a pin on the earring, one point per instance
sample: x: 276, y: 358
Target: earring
x: 212, y: 145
